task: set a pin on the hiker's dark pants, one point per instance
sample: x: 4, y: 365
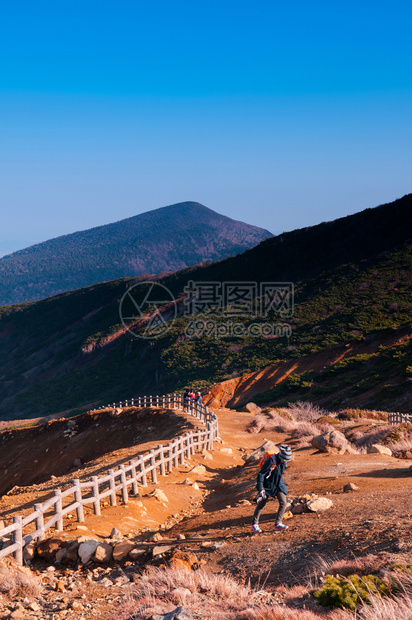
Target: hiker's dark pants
x: 282, y: 508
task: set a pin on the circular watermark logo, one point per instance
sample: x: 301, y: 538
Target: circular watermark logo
x: 147, y: 310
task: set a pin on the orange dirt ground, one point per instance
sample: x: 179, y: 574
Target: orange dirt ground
x: 374, y: 519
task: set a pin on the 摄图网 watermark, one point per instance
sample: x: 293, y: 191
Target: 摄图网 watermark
x: 148, y: 309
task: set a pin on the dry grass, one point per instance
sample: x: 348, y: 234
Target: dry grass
x: 17, y: 580
x: 363, y: 565
x: 398, y: 608
x: 162, y: 590
x: 306, y: 411
x: 366, y: 414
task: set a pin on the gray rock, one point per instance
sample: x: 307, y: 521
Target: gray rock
x: 103, y: 553
x: 87, y: 549
x: 160, y: 550
x: 319, y: 504
x: 121, y: 550
x: 115, y: 534
x: 256, y: 455
x: 334, y: 442
x: 378, y: 449
x: 105, y: 582
x: 180, y: 613
x: 253, y: 408
x: 350, y: 487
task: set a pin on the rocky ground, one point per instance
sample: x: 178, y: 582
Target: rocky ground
x: 205, y: 522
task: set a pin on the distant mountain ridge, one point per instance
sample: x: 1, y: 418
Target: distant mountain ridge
x: 165, y: 239
x: 353, y: 296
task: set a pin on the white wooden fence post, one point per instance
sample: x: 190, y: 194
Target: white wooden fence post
x: 125, y: 495
x: 78, y: 498
x: 153, y: 464
x: 95, y: 493
x: 175, y: 454
x: 134, y: 479
x: 39, y: 520
x: 169, y: 457
x: 142, y: 471
x: 181, y: 450
x: 112, y: 486
x: 18, y: 539
x: 58, y: 507
x: 162, y: 460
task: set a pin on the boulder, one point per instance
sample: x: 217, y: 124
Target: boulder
x: 60, y: 556
x: 319, y: 504
x: 121, y: 550
x: 376, y: 448
x: 298, y: 509
x: 115, y: 534
x: 30, y: 550
x: 183, y: 559
x: 47, y: 549
x: 226, y: 450
x: 333, y: 442
x: 160, y: 550
x: 198, y: 469
x: 256, y: 455
x: 135, y: 554
x: 253, y: 408
x: 86, y: 550
x: 160, y: 496
x: 350, y: 487
x: 103, y: 553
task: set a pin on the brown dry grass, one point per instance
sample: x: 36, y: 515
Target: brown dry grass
x: 161, y: 590
x: 17, y: 580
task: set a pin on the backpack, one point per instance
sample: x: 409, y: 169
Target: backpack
x: 265, y: 458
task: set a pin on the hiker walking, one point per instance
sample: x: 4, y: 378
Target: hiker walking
x: 198, y: 399
x: 186, y: 398
x: 270, y: 483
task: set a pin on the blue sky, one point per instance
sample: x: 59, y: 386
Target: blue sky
x: 279, y: 114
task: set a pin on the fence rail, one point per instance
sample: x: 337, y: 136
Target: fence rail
x: 398, y: 418
x: 159, y: 461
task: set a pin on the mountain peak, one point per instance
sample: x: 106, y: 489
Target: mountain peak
x: 164, y: 239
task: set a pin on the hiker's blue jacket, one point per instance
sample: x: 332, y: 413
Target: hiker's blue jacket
x: 272, y: 481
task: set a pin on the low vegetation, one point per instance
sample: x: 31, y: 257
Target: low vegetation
x: 17, y: 580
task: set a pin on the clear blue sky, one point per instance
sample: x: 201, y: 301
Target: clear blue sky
x: 276, y: 113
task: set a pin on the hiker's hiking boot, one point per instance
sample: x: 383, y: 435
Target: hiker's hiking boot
x: 256, y: 529
x: 280, y: 527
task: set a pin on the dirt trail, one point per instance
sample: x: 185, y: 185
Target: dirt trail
x: 374, y: 519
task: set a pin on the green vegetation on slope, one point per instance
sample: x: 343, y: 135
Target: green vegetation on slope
x: 56, y: 356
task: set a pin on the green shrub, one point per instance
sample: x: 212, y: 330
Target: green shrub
x: 349, y: 591
x: 328, y: 419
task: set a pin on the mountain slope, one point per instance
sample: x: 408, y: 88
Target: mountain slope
x: 165, y: 239
x: 352, y: 285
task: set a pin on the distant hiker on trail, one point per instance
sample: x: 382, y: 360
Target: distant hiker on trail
x: 198, y: 399
x: 186, y: 398
x: 270, y: 483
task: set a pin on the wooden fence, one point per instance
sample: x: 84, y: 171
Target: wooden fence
x: 160, y: 461
x: 398, y: 418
